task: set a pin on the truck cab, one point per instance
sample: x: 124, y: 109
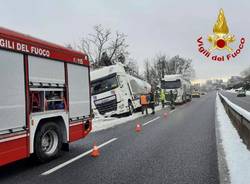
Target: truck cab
x: 180, y: 87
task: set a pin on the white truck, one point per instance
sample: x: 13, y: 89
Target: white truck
x: 180, y: 87
x: 44, y: 99
x: 115, y: 92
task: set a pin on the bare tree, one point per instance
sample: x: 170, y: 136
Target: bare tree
x: 94, y: 44
x: 132, y: 67
x: 179, y: 65
x: 151, y: 73
x: 86, y: 48
x: 99, y: 39
x: 154, y: 80
x: 161, y: 65
x: 102, y: 48
x: 118, y: 47
x: 147, y: 70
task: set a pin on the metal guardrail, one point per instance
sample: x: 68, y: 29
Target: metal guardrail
x: 241, y: 123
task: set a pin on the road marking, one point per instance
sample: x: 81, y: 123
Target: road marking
x: 172, y: 111
x: 150, y: 121
x: 76, y: 158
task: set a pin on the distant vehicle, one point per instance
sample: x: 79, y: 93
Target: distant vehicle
x: 241, y: 93
x: 115, y: 92
x: 44, y: 99
x: 238, y: 89
x: 196, y: 94
x: 203, y: 93
x: 180, y: 87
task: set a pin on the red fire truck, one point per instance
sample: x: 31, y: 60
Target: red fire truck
x: 44, y: 97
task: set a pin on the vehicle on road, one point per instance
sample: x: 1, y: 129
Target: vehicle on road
x: 203, y: 93
x: 44, y: 100
x: 196, y: 94
x: 180, y: 87
x: 115, y: 92
x: 241, y: 93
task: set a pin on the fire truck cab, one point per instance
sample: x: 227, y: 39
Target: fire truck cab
x: 44, y: 98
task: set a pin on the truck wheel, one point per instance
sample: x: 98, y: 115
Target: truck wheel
x: 183, y: 100
x: 48, y: 142
x: 131, y: 108
x: 186, y: 100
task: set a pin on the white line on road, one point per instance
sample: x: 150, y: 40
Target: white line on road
x: 75, y: 158
x: 172, y: 111
x: 150, y: 121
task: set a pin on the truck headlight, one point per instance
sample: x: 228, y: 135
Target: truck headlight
x: 179, y: 97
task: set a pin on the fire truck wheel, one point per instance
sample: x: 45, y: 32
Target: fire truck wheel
x: 48, y: 142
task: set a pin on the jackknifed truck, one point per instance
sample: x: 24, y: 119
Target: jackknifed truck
x: 115, y: 91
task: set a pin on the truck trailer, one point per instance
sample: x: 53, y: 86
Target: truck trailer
x: 115, y: 92
x: 45, y: 99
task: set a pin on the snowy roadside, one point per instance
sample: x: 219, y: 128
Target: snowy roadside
x: 237, y: 156
x: 237, y: 108
x: 105, y: 123
x: 233, y: 91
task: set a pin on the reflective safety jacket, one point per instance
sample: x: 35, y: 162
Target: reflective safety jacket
x: 143, y: 100
x: 162, y: 96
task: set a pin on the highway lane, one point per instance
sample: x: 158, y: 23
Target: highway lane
x: 243, y: 102
x: 178, y: 149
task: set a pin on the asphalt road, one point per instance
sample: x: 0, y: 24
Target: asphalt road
x: 243, y: 102
x: 178, y: 149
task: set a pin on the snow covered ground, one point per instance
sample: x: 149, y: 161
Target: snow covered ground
x: 239, y: 109
x: 233, y: 91
x: 105, y: 123
x: 236, y: 154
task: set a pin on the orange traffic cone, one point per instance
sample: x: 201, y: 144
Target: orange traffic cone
x: 95, y: 152
x: 165, y: 114
x: 138, y: 127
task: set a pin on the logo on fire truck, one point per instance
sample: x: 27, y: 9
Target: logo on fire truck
x: 220, y: 40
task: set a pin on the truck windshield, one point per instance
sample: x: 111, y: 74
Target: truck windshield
x: 171, y: 84
x: 104, y: 84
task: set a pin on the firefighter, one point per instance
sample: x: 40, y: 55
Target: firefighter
x: 162, y: 98
x: 152, y: 101
x: 144, y: 103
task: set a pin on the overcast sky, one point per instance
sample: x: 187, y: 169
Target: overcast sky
x: 152, y: 26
